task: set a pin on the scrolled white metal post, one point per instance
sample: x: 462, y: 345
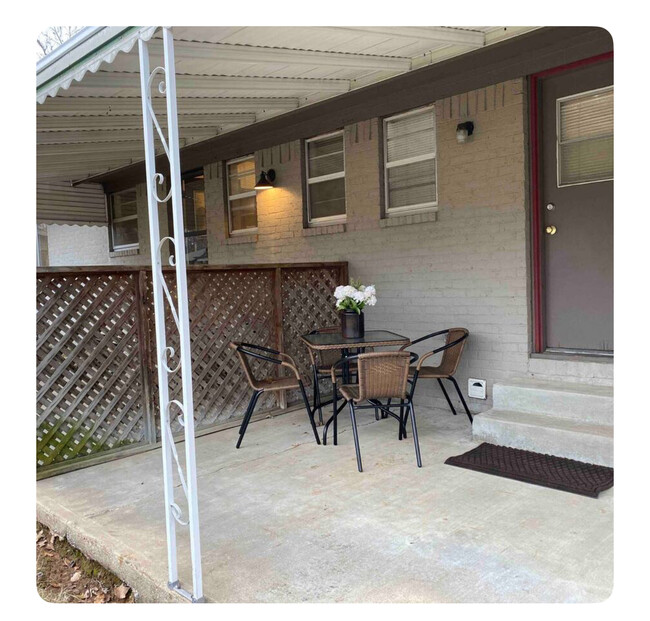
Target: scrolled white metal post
x: 180, y: 314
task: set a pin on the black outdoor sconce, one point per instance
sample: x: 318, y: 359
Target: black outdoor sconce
x: 464, y: 131
x: 266, y: 180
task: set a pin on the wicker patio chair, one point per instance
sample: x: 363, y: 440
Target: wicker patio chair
x: 452, y: 352
x: 246, y: 351
x: 382, y: 375
x: 321, y: 362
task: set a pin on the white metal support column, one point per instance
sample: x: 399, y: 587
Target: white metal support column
x: 169, y: 361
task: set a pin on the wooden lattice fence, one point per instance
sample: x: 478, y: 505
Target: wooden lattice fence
x: 96, y: 374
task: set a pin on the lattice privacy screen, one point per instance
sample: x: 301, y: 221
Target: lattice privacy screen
x: 96, y: 374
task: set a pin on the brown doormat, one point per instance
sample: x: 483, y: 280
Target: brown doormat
x: 560, y: 473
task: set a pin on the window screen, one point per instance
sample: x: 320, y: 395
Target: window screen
x: 585, y: 149
x: 123, y: 219
x: 194, y: 218
x: 242, y: 198
x: 410, y: 161
x: 326, y: 178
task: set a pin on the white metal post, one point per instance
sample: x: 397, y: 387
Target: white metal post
x: 173, y: 512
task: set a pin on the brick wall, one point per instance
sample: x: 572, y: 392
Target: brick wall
x: 464, y: 265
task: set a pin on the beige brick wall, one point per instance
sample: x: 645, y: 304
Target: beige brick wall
x: 464, y: 266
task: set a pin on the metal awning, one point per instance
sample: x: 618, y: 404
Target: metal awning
x: 89, y: 113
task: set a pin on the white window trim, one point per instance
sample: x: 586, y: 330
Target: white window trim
x: 559, y: 143
x: 112, y: 221
x: 420, y: 207
x: 327, y: 220
x: 234, y: 197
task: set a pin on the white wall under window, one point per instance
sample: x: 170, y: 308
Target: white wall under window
x: 325, y: 171
x: 410, y: 162
x: 242, y: 197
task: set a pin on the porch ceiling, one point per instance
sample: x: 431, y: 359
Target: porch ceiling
x: 88, y: 92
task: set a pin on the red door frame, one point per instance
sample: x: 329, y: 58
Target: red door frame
x: 535, y: 163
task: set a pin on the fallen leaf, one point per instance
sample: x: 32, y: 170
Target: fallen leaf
x: 75, y: 576
x: 39, y: 534
x: 41, y: 544
x: 122, y: 591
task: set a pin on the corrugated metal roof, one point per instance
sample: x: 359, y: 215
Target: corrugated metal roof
x: 60, y: 203
x: 89, y: 121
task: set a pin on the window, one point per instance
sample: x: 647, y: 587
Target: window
x: 194, y: 218
x: 410, y: 182
x: 325, y: 168
x: 585, y: 137
x: 123, y: 220
x: 242, y: 199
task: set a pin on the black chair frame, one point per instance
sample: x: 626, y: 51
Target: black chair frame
x: 405, y: 408
x: 254, y: 351
x: 450, y: 378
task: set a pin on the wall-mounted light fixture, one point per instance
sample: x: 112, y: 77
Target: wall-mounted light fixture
x: 464, y: 131
x: 266, y: 180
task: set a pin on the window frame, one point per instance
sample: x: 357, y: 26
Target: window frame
x: 430, y: 206
x: 326, y: 220
x: 231, y: 197
x: 112, y: 220
x: 188, y: 175
x: 558, y: 130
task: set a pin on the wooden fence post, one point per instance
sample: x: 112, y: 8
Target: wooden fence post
x: 140, y: 281
x: 279, y: 329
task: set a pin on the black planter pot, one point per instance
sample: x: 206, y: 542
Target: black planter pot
x: 352, y: 324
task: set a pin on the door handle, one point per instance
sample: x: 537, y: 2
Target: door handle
x: 551, y: 229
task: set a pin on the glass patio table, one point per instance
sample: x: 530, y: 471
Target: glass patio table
x: 328, y: 341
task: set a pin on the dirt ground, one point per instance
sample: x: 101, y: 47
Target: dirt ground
x: 65, y: 575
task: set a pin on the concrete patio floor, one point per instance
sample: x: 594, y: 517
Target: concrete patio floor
x: 285, y: 520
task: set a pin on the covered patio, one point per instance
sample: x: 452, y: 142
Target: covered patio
x: 120, y: 364
x: 285, y: 520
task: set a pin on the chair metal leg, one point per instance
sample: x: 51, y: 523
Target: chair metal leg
x: 402, y: 422
x: 335, y: 429
x: 416, y: 441
x: 453, y: 411
x: 247, y: 417
x: 310, y: 412
x: 356, y: 435
x: 460, y: 394
x: 317, y: 399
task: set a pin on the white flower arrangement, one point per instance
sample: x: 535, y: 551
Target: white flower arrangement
x: 355, y: 296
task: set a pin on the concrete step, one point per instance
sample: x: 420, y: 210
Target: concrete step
x: 542, y: 433
x: 579, y: 402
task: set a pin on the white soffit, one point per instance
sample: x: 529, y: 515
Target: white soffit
x: 88, y: 93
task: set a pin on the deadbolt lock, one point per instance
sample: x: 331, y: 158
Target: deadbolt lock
x: 551, y: 229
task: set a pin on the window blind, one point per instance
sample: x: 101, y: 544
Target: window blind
x: 586, y: 137
x: 410, y: 161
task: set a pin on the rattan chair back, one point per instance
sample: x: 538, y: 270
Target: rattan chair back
x: 243, y: 360
x: 325, y: 357
x: 451, y: 357
x: 383, y: 375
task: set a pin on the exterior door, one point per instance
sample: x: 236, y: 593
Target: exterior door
x: 577, y: 204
